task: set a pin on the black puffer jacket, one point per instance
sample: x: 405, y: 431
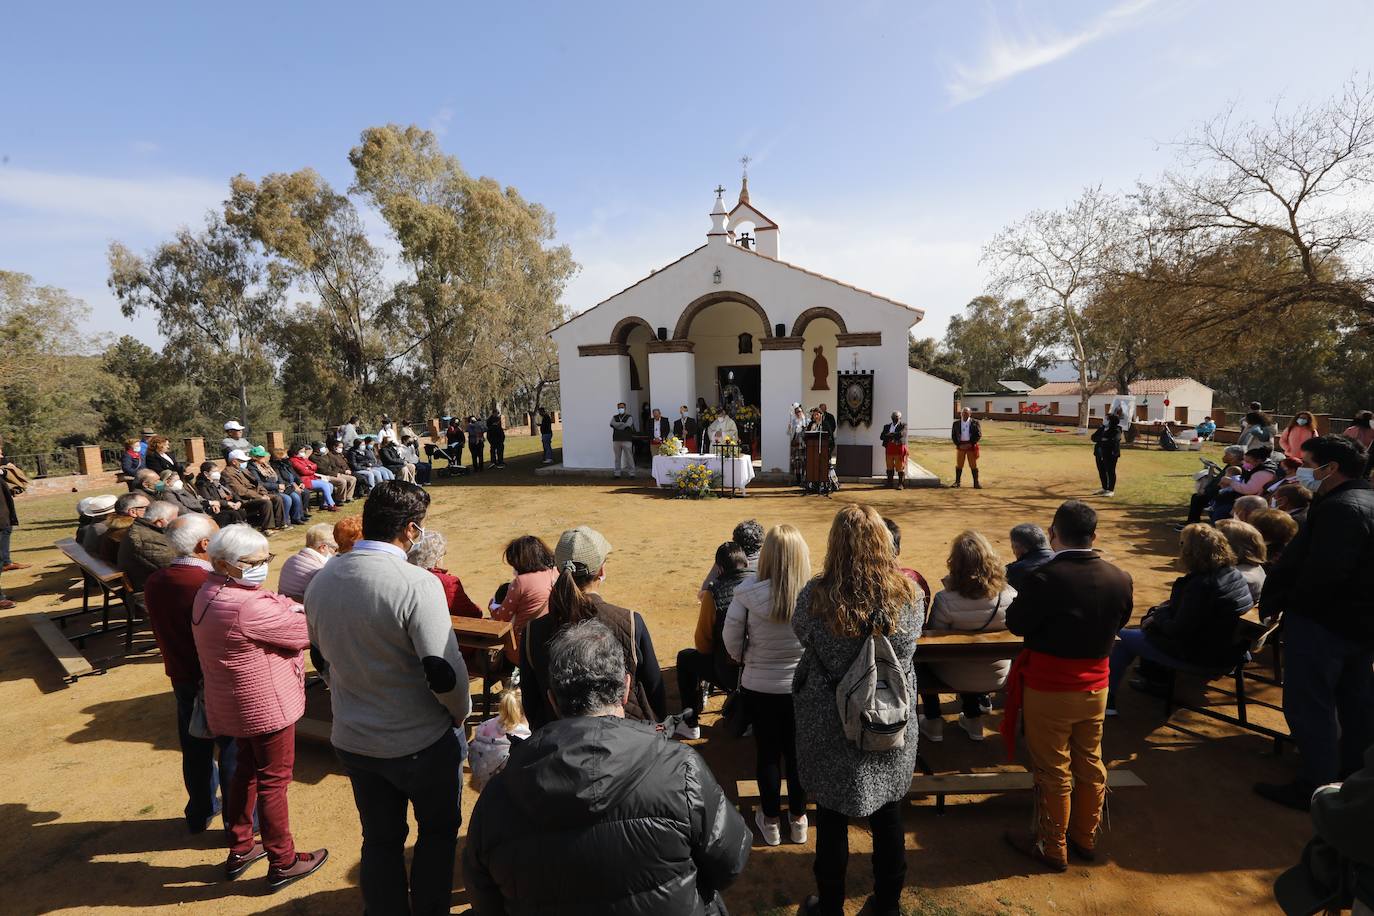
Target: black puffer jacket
x: 603, y: 817
x: 1198, y: 623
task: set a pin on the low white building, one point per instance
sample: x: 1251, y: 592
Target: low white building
x: 1180, y: 400
x: 1011, y: 396
x: 732, y: 306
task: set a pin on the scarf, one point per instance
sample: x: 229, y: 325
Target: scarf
x: 1049, y: 673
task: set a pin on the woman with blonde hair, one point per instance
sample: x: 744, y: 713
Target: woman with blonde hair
x: 860, y: 593
x: 974, y: 599
x: 1196, y: 627
x: 1248, y: 545
x: 758, y: 635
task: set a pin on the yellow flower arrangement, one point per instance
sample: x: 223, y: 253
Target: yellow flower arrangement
x: 670, y: 447
x: 694, y: 481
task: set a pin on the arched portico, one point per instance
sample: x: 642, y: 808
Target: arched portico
x: 701, y: 303
x: 811, y: 314
x: 620, y: 334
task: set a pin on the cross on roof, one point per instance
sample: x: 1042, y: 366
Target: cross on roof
x: 744, y: 161
x: 720, y: 189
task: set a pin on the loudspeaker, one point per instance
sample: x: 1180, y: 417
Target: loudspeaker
x: 780, y: 330
x: 662, y: 333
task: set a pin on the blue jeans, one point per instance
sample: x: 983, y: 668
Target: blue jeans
x: 546, y: 440
x: 431, y: 782
x: 423, y: 471
x: 198, y: 770
x: 325, y: 487
x: 1133, y: 644
x: 295, y: 507
x: 1328, y: 699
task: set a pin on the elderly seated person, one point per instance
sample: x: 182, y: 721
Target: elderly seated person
x: 410, y: 451
x: 394, y: 461
x: 174, y: 490
x: 216, y: 498
x: 302, y: 565
x: 347, y: 532
x: 1247, y: 506
x: 1196, y: 627
x: 147, y: 482
x: 312, y: 478
x: 1031, y: 547
x: 94, y: 514
x: 1248, y: 546
x: 1277, y: 528
x: 128, y: 508
x: 282, y: 489
x: 259, y: 504
x: 333, y: 467
x: 1198, y: 502
x: 145, y: 548
x: 367, y: 467
x: 428, y: 553
x: 1294, y: 499
x: 130, y: 462
x: 233, y: 439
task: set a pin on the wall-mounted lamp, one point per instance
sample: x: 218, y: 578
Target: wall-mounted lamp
x: 715, y: 277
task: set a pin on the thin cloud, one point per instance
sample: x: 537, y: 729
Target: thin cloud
x: 1008, y: 52
x: 77, y: 202
x: 440, y: 121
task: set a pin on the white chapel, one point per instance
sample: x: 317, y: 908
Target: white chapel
x: 733, y: 312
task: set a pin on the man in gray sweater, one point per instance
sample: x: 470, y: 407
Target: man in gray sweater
x: 381, y: 637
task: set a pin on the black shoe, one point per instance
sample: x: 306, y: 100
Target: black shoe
x: 1293, y: 795
x: 876, y: 909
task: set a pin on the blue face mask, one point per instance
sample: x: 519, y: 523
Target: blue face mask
x: 1308, y: 478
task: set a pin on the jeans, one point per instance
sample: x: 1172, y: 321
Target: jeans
x: 623, y: 452
x: 1106, y: 469
x: 423, y: 470
x: 198, y: 770
x: 262, y: 775
x: 1132, y: 643
x: 498, y: 451
x: 970, y: 704
x: 775, y: 741
x: 693, y: 668
x: 832, y: 857
x: 325, y: 487
x: 431, y: 782
x: 1328, y: 699
x: 295, y: 507
x: 4, y: 554
x: 546, y: 441
x: 476, y: 452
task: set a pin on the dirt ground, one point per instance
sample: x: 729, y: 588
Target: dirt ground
x: 91, y: 796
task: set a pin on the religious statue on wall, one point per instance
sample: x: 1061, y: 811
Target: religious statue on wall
x: 731, y: 397
x: 746, y: 342
x: 820, y: 371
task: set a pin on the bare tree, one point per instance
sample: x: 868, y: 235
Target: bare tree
x: 1058, y: 260
x: 1296, y: 185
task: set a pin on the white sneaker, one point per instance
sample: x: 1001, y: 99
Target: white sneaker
x: 1109, y: 493
x: 1099, y: 491
x: 683, y: 730
x: 798, y: 827
x: 772, y: 835
x: 974, y: 727
x: 931, y: 729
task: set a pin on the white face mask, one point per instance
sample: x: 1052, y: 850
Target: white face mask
x: 338, y: 449
x: 1301, y: 421
x: 253, y: 575
x: 214, y: 475
x: 176, y: 486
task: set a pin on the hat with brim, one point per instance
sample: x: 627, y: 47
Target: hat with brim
x: 95, y: 506
x: 237, y: 454
x: 581, y: 547
x: 147, y: 432
x: 233, y: 425
x: 258, y: 452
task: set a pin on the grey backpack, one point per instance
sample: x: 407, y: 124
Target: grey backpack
x: 873, y: 696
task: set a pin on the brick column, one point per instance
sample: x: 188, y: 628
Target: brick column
x: 1218, y: 417
x: 88, y: 460
x: 1322, y: 423
x: 193, y: 451
x: 276, y: 439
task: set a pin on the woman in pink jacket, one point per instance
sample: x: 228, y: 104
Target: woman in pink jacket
x: 250, y: 641
x: 528, y: 596
x: 1299, y: 430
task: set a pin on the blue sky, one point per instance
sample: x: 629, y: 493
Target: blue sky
x: 890, y: 139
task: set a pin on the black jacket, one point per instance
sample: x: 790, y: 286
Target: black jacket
x: 975, y: 431
x: 391, y: 456
x: 1108, y: 439
x: 1072, y: 606
x: 155, y: 462
x: 685, y: 428
x: 638, y: 822
x: 1327, y: 573
x: 8, y: 517
x: 496, y: 433
x: 1018, y: 570
x: 658, y: 429
x: 1198, y: 623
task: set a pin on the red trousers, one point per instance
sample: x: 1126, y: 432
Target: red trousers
x: 261, y: 777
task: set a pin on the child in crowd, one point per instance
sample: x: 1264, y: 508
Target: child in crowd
x: 491, y: 743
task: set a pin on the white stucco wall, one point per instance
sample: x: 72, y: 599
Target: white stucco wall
x: 930, y: 404
x: 783, y: 291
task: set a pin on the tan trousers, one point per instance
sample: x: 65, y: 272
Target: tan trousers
x: 344, y: 486
x: 966, y: 454
x: 1064, y: 739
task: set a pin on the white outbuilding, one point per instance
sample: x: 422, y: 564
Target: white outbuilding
x: 733, y: 312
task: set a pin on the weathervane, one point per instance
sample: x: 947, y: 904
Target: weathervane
x: 744, y: 161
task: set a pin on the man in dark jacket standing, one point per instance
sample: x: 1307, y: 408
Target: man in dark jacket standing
x: 966, y: 432
x: 496, y: 438
x: 1324, y: 585
x: 1069, y: 611
x: 640, y: 822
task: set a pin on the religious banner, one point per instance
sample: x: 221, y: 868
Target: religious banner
x: 856, y: 397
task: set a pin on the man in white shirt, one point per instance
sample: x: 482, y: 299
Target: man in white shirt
x: 966, y: 433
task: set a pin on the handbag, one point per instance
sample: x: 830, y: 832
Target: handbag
x: 199, y: 726
x: 734, y: 715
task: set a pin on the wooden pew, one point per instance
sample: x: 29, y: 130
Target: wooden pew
x: 112, y: 583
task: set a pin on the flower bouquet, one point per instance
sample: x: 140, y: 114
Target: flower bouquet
x: 695, y: 482
x: 747, y: 416
x: 709, y: 415
x: 671, y: 447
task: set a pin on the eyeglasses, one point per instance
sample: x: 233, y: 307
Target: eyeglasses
x: 245, y: 562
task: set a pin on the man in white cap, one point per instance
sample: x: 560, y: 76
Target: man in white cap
x: 233, y: 438
x: 257, y: 502
x: 94, y: 514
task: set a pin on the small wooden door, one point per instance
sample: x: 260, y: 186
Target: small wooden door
x: 1181, y: 415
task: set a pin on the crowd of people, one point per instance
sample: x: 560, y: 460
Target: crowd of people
x: 583, y: 745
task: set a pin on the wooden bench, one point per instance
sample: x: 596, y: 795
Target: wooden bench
x: 944, y: 784
x: 73, y: 663
x: 111, y: 582
x: 485, y: 633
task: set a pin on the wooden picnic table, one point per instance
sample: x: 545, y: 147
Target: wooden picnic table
x: 943, y: 645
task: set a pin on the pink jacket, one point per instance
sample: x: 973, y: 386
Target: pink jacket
x: 249, y: 641
x: 527, y: 599
x: 1290, y: 442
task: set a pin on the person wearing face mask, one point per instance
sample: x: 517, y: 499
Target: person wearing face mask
x: 1301, y: 428
x: 1322, y: 585
x: 685, y: 428
x: 1107, y: 452
x: 623, y: 440
x: 128, y: 509
x: 218, y: 501
x: 250, y: 642
x: 382, y: 639
x: 1258, y: 469
x: 145, y: 549
x: 258, y: 503
x: 174, y: 490
x: 308, y: 473
x: 893, y: 438
x: 333, y: 467
x: 302, y: 566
